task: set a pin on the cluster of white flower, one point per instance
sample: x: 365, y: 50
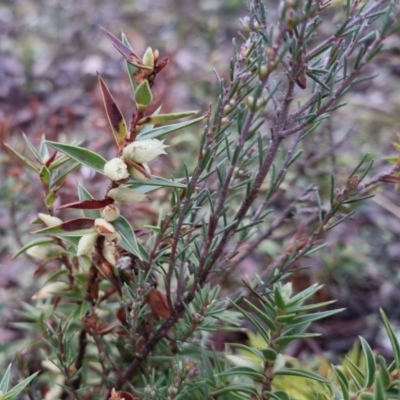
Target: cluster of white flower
x: 139, y: 152
x: 118, y: 170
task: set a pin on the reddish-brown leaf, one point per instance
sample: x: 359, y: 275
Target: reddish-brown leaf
x: 391, y: 179
x: 51, y: 159
x: 115, y: 118
x: 158, y: 304
x: 90, y: 204
x: 77, y: 223
x: 124, y: 50
x: 161, y: 65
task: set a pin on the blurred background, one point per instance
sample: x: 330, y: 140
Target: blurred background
x: 50, y: 52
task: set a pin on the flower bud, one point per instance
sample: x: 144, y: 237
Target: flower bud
x: 116, y: 170
x: 45, y: 252
x: 86, y: 243
x: 49, y: 220
x: 110, y: 253
x: 143, y: 151
x: 148, y: 57
x: 126, y: 195
x: 136, y: 174
x: 104, y: 227
x: 113, y: 237
x: 110, y: 213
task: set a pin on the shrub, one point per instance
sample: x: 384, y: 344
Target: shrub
x: 130, y: 311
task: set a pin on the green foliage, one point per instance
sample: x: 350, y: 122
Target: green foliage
x: 130, y: 311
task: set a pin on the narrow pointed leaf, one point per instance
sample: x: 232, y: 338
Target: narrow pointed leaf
x: 114, y: 115
x: 22, y: 158
x: 245, y: 371
x: 5, y: 380
x: 35, y: 153
x: 84, y: 194
x: 235, y: 389
x: 162, y: 118
x: 384, y: 373
x: 83, y: 156
x: 301, y: 373
x: 164, y: 130
x: 131, y: 69
x: 130, y: 56
x: 75, y: 227
x: 370, y: 366
x: 128, y: 242
x: 149, y: 127
x: 249, y: 349
x: 379, y: 393
x: 91, y: 204
x: 343, y: 382
x: 16, y: 390
x: 263, y: 316
x: 284, y: 341
x: 313, y: 317
x: 128, y: 53
x: 32, y: 243
x: 393, y: 340
x: 156, y: 181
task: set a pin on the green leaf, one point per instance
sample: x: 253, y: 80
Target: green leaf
x: 260, y: 329
x: 147, y: 128
x: 27, y: 162
x: 128, y: 242
x: 283, y: 341
x: 263, y: 316
x: 384, y: 373
x: 393, y: 340
x: 343, y: 382
x: 252, y: 350
x: 246, y: 371
x: 45, y: 175
x: 83, y: 194
x: 83, y: 156
x: 60, y: 178
x: 370, y: 366
x: 162, y: 118
x: 114, y: 115
x: 301, y: 373
x: 5, y: 380
x: 16, y: 390
x: 143, y: 95
x: 312, y: 317
x: 278, y: 395
x: 131, y: 69
x: 32, y: 243
x: 235, y: 388
x: 32, y: 149
x: 303, y: 296
x: 379, y: 393
x: 156, y: 182
x: 164, y: 130
x: 279, y: 301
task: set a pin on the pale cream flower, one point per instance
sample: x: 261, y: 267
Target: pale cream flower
x: 86, y: 243
x: 49, y: 220
x: 143, y: 151
x: 110, y: 213
x: 45, y: 252
x: 116, y: 170
x: 126, y: 195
